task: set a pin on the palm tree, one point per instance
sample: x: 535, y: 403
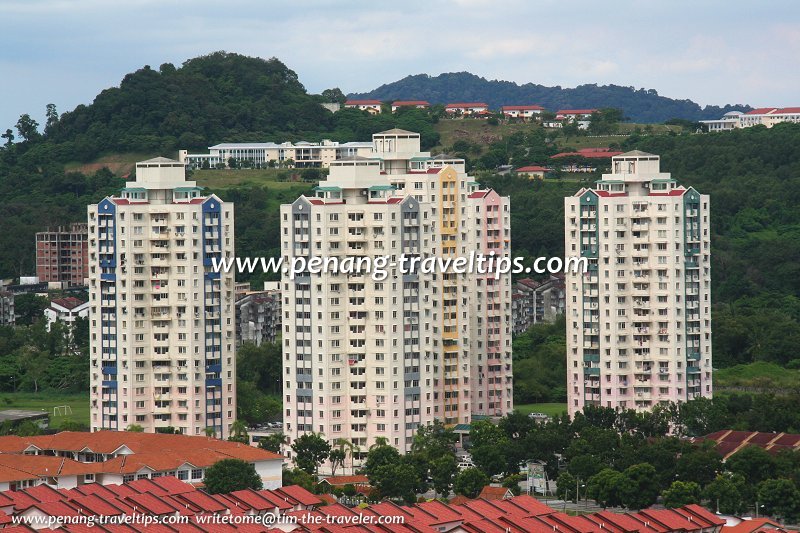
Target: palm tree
x: 351, y: 448
x: 239, y: 432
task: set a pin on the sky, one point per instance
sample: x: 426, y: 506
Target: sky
x: 710, y: 51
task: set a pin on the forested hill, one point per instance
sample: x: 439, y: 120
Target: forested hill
x: 220, y: 97
x: 642, y: 105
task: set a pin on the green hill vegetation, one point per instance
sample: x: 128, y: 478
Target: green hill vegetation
x: 641, y: 105
x: 48, y: 177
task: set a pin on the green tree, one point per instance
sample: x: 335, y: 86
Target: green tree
x: 134, y: 428
x: 608, y: 487
x: 442, y: 471
x: 52, y: 117
x: 9, y: 137
x: 681, y: 493
x: 726, y: 493
x: 299, y: 477
x: 780, y: 498
x: 565, y: 487
x: 29, y: 308
x: 470, y: 482
x: 334, y: 95
x: 397, y: 481
x: 379, y: 456
x: 434, y: 440
x: 310, y: 450
x: 229, y: 475
x: 490, y: 459
x: 273, y: 442
x: 27, y: 128
x: 754, y: 464
x: 642, y: 486
x: 700, y: 465
x: 337, y: 458
x: 239, y: 432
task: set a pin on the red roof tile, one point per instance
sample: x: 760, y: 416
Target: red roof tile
x: 401, y: 103
x: 495, y: 493
x: 346, y: 480
x: 459, y: 105
x: 760, y: 111
x: 363, y: 102
x: 522, y: 108
x: 532, y: 168
x: 575, y: 111
x: 298, y: 494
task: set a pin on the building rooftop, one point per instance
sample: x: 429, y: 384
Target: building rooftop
x: 70, y: 302
x: 21, y: 414
x: 397, y: 131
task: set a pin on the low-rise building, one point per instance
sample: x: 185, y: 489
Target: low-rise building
x: 522, y: 111
x: 575, y: 114
x: 301, y: 154
x: 258, y: 317
x: 71, y: 459
x: 66, y: 310
x: 532, y: 172
x: 763, y: 116
x: 416, y: 104
x: 467, y: 109
x: 371, y: 106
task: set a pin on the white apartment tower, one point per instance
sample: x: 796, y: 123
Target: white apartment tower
x: 162, y: 321
x: 639, y: 320
x: 367, y: 358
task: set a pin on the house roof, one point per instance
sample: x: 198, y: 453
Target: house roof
x: 298, y: 494
x: 495, y: 493
x: 346, y: 480
x: 458, y: 105
x: 70, y: 302
x: 752, y: 526
x: 401, y: 103
x: 729, y: 442
x: 138, y: 452
x: 532, y: 168
x: 575, y: 111
x: 363, y: 102
x: 522, y: 108
x: 760, y: 111
x: 396, y: 131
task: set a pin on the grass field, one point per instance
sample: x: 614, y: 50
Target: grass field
x: 760, y: 375
x: 480, y: 132
x: 550, y: 409
x: 119, y: 164
x: 45, y: 402
x: 267, y: 177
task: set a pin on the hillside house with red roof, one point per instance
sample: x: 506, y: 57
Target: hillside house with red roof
x: 532, y: 172
x: 467, y: 109
x: 371, y: 106
x: 522, y: 111
x: 416, y: 104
